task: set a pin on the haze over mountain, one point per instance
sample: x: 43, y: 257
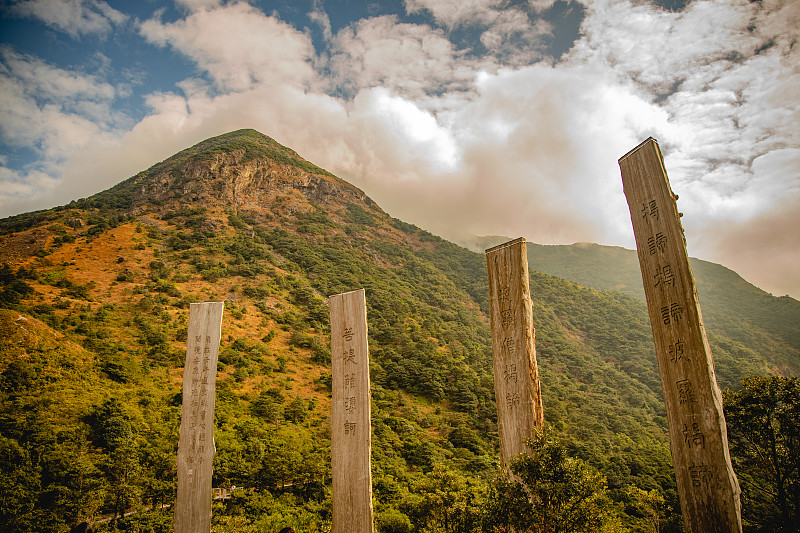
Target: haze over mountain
x: 93, y: 311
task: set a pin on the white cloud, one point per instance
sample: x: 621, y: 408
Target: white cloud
x: 198, y: 5
x: 238, y: 46
x: 725, y: 73
x: 454, y: 13
x: 74, y: 17
x: 15, y: 187
x: 514, y: 39
x: 44, y: 81
x: 408, y: 59
x: 58, y: 113
x: 321, y: 18
x: 412, y: 139
x: 52, y: 108
x: 508, y: 33
x: 541, y: 5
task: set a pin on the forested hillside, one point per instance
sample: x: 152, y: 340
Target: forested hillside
x: 93, y: 309
x: 766, y: 328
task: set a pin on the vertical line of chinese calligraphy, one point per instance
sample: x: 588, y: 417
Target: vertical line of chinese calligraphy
x: 198, y: 403
x: 672, y: 311
x: 349, y: 389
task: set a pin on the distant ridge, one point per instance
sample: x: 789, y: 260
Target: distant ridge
x: 729, y: 303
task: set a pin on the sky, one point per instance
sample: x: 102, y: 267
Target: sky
x: 464, y: 117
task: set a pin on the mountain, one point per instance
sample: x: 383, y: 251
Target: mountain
x: 93, y: 309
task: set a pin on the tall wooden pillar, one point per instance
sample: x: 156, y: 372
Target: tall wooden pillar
x: 350, y: 417
x: 516, y: 375
x: 707, y: 485
x: 196, y: 441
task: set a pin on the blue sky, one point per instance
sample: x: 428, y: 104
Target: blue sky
x: 465, y: 117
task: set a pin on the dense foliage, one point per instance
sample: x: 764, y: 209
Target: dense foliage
x: 764, y: 434
x: 550, y: 492
x: 93, y: 312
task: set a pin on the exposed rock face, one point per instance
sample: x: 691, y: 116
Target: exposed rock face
x: 256, y: 185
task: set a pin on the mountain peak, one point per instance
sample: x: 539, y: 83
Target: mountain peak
x: 242, y: 169
x: 248, y: 144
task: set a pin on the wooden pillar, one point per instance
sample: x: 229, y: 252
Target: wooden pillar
x: 350, y: 417
x: 516, y: 376
x: 707, y: 485
x: 196, y: 441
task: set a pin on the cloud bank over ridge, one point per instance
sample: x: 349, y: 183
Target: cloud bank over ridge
x: 451, y: 115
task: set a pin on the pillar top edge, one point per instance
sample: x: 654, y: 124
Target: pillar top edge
x: 641, y: 145
x: 345, y: 293
x: 505, y: 245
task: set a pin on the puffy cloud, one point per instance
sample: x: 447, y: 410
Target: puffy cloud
x: 18, y: 187
x: 53, y: 109
x: 74, y: 17
x: 408, y: 59
x: 454, y: 13
x: 321, y: 18
x: 538, y: 156
x: 57, y: 113
x: 198, y: 5
x: 514, y: 39
x: 507, y: 33
x: 238, y: 46
x: 725, y: 73
x: 42, y: 80
x: 541, y: 5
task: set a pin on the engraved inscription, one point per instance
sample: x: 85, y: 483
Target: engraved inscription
x: 650, y: 209
x: 676, y: 352
x: 685, y: 392
x: 512, y: 400
x: 657, y: 243
x: 701, y: 475
x: 672, y: 313
x: 510, y: 373
x: 693, y: 436
x: 664, y: 277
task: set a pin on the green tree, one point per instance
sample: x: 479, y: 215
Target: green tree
x: 296, y: 410
x: 447, y: 501
x: 268, y: 408
x: 19, y: 485
x: 114, y: 430
x: 763, y: 420
x: 651, y: 504
x: 549, y: 492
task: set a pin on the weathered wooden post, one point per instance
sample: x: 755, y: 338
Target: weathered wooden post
x: 707, y: 485
x: 516, y: 376
x: 196, y: 441
x: 350, y: 418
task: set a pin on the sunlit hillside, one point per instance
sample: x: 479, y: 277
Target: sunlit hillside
x: 93, y: 313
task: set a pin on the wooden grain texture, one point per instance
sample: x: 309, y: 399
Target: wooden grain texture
x: 350, y: 417
x: 196, y: 440
x: 516, y: 375
x: 707, y: 485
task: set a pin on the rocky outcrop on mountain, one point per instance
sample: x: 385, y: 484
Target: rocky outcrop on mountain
x: 241, y: 170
